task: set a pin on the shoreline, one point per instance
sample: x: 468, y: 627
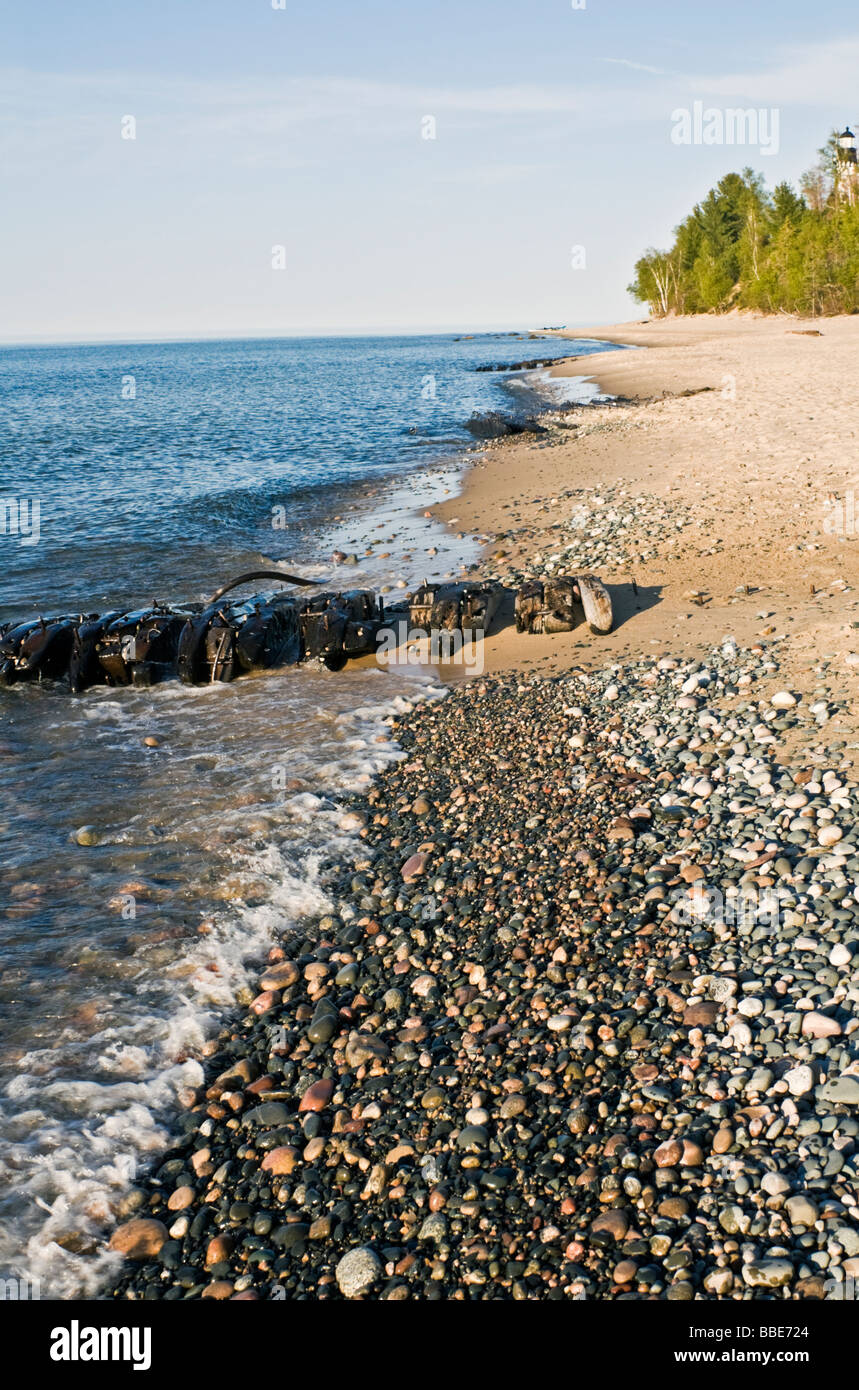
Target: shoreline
x: 579, y: 1025
x: 715, y: 484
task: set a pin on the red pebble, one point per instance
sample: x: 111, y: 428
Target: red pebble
x: 317, y: 1096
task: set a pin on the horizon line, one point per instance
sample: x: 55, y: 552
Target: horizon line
x: 379, y: 331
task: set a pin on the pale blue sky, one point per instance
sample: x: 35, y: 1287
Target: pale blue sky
x: 301, y: 127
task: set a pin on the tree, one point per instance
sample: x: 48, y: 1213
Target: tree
x: 743, y: 246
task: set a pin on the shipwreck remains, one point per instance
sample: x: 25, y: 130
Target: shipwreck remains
x: 560, y: 604
x: 226, y: 637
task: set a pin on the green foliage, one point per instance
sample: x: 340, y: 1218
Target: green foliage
x: 744, y: 247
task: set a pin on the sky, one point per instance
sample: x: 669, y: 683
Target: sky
x: 378, y: 165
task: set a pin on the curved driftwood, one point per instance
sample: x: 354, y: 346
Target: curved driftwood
x: 261, y: 574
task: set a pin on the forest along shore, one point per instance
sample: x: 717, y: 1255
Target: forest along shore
x: 578, y: 1022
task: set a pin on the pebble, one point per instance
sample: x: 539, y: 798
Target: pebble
x: 801, y: 1211
x: 768, y: 1274
x: 800, y: 1080
x: 139, y: 1239
x: 829, y: 835
x: 815, y: 1025
x: 358, y: 1271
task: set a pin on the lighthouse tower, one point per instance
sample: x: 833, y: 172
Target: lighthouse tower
x: 847, y: 174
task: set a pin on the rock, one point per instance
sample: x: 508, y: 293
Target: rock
x: 783, y: 700
x: 363, y: 1048
x: 218, y: 1289
x: 674, y: 1208
x: 434, y: 1228
x: 413, y: 867
x: 280, y: 976
x: 473, y: 1137
x: 139, y: 1239
x: 768, y: 1274
x: 815, y: 1025
x: 520, y: 1001
x: 701, y: 1015
x: 848, y: 1239
x: 180, y: 1199
x: 733, y: 1220
x: 263, y: 1002
x: 723, y: 1140
x: 281, y: 1160
x: 357, y: 1271
x: 325, y: 1022
x: 615, y: 1222
x: 513, y: 1106
x: 829, y: 834
x: 800, y: 1080
x: 218, y: 1251
x: 317, y: 1096
x: 719, y: 1282
x: 801, y: 1211
x: 842, y: 1089
x: 268, y: 1115
x: 86, y: 835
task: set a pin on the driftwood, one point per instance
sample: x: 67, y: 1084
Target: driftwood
x: 559, y: 604
x: 596, y: 602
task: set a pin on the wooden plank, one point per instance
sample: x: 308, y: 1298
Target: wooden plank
x: 596, y: 602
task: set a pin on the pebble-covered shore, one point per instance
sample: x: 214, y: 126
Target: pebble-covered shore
x: 578, y: 1024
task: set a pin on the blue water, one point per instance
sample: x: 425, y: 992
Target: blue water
x: 158, y: 467
x: 118, y: 958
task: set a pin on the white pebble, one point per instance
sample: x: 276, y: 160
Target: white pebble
x: 829, y: 834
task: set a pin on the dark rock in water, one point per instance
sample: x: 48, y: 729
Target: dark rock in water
x: 493, y: 424
x: 531, y: 365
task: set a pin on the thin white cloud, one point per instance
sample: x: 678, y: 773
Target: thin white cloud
x: 62, y: 119
x: 638, y: 67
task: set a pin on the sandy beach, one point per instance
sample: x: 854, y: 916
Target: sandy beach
x: 742, y: 427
